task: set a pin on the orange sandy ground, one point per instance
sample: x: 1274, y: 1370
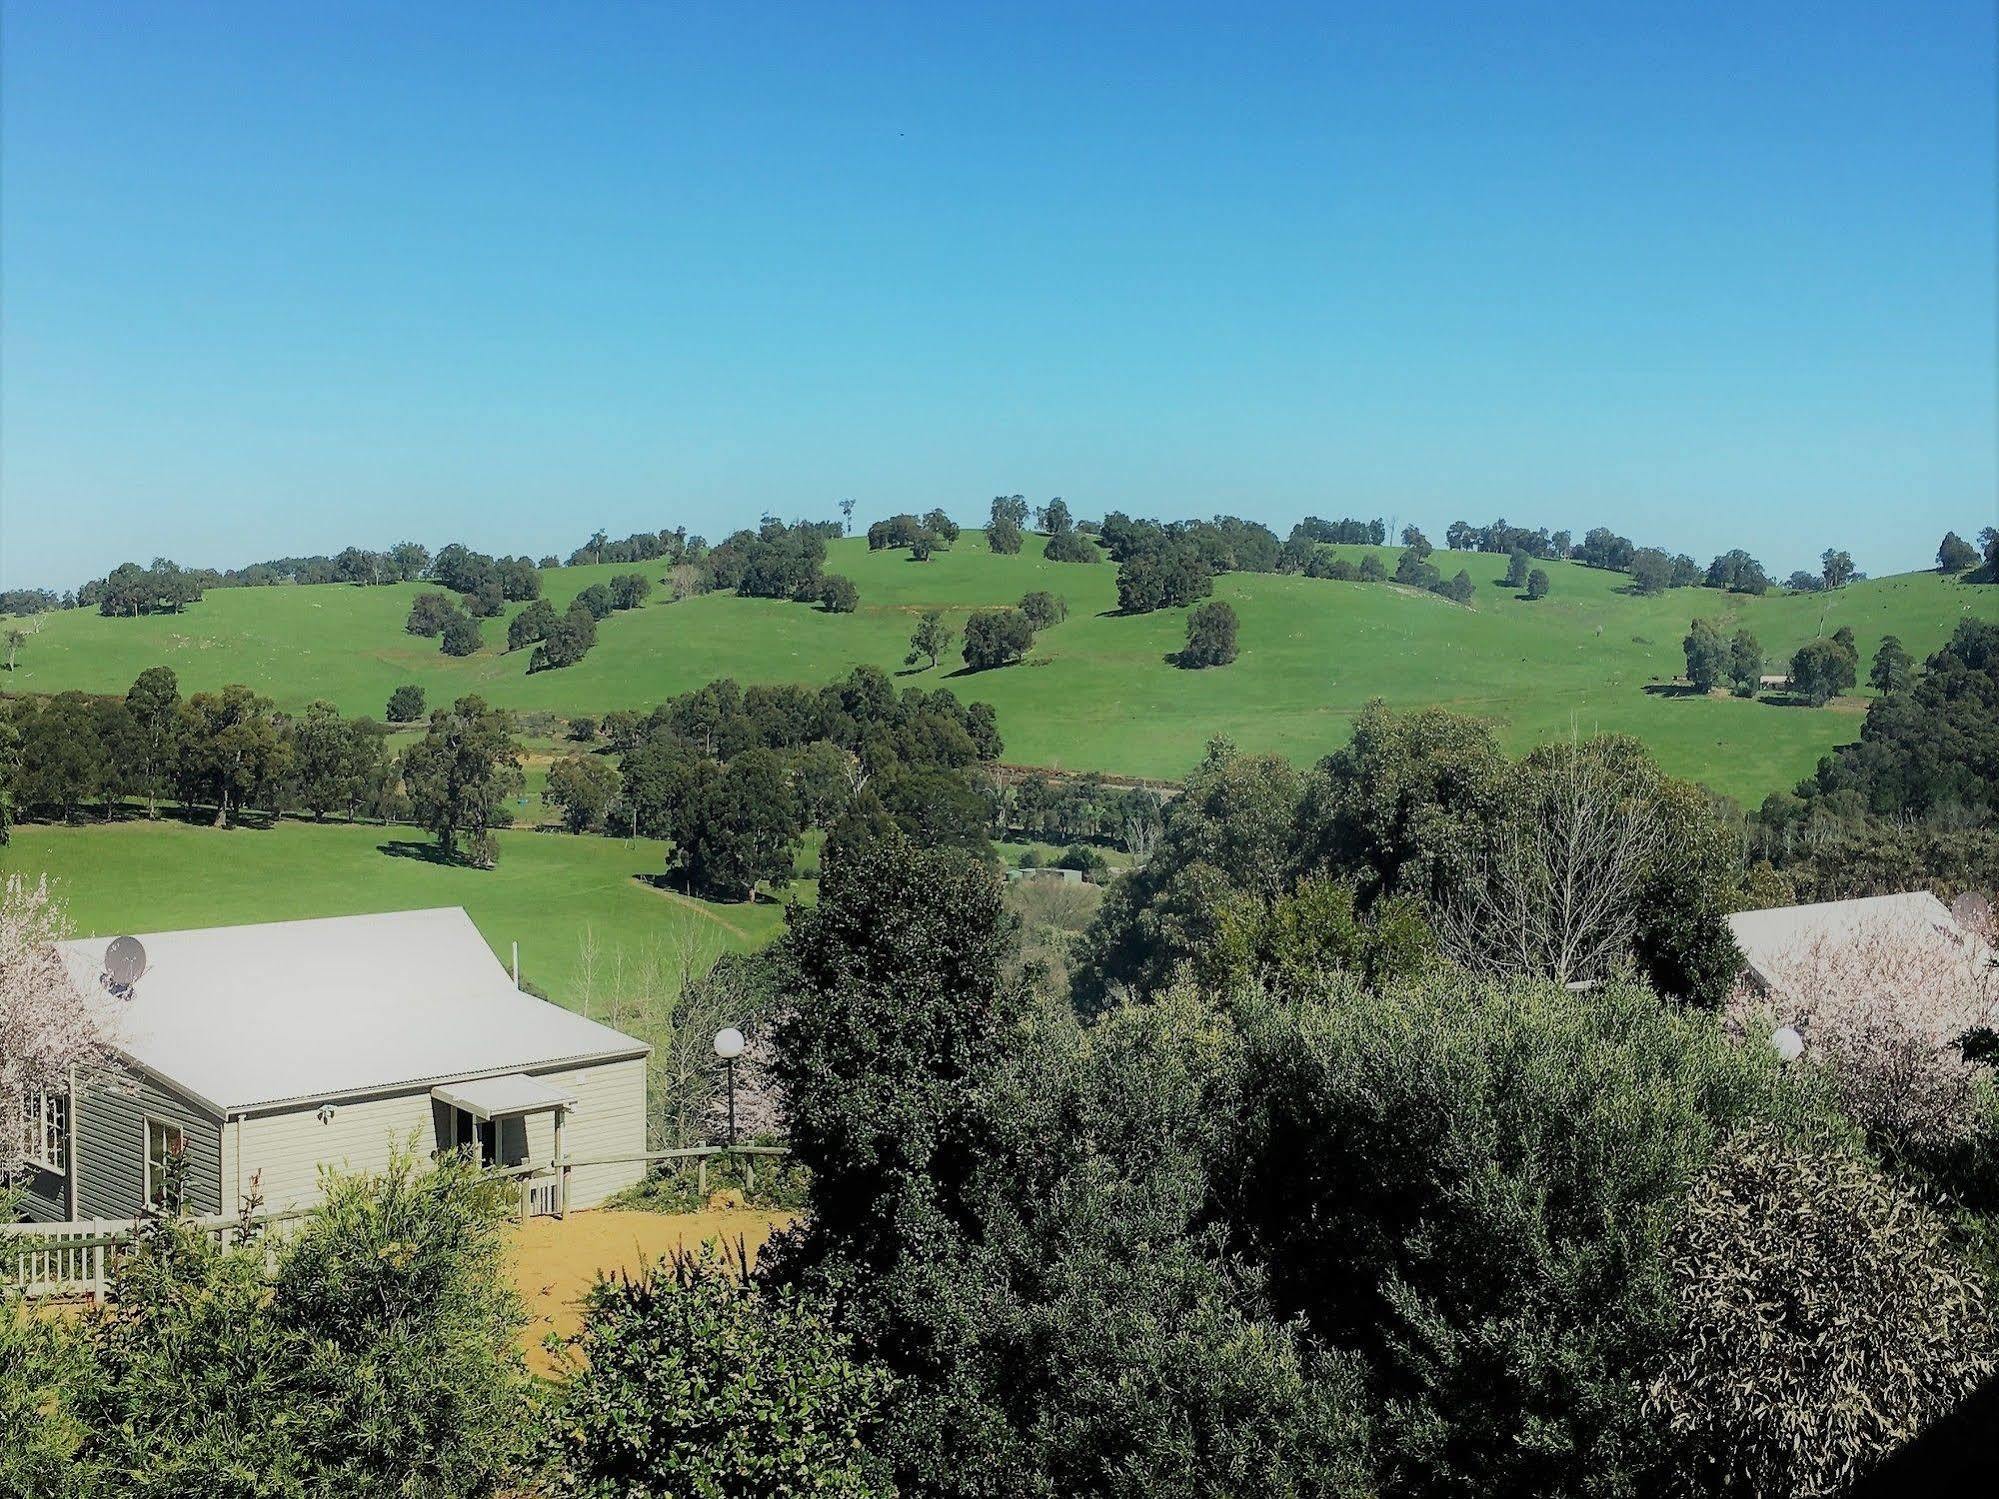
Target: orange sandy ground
x: 556, y: 1260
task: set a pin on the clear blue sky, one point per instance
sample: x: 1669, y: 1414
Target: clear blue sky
x: 278, y: 278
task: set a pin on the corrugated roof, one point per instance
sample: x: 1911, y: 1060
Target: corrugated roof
x: 301, y: 1011
x: 1765, y: 937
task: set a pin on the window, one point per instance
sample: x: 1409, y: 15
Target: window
x: 477, y: 1137
x: 45, y: 1130
x: 166, y: 1147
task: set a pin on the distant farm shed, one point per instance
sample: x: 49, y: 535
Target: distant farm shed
x: 259, y: 1054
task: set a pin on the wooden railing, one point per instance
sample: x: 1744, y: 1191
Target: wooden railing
x: 43, y: 1260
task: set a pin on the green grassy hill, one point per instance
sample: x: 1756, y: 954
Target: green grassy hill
x: 583, y: 914
x: 1098, y: 692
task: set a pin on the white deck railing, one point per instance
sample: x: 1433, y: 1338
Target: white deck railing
x: 44, y: 1260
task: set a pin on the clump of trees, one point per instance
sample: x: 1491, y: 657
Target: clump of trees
x: 1043, y: 609
x: 851, y: 759
x: 1211, y: 636
x: 461, y: 778
x: 1822, y: 669
x: 1737, y: 572
x: 1712, y: 660
x: 405, y: 704
x: 995, y: 638
x: 391, y: 1296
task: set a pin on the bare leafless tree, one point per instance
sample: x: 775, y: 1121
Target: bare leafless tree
x: 1554, y: 890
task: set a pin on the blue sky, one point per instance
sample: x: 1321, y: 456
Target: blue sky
x: 278, y: 278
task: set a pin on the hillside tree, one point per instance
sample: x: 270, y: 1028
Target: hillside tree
x: 462, y: 775
x: 930, y: 640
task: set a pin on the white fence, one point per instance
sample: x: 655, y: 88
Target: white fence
x: 43, y: 1260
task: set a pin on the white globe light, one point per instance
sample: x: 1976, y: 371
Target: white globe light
x: 728, y: 1043
x: 1787, y: 1043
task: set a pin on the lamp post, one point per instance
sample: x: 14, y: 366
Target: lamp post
x: 1787, y: 1043
x: 729, y: 1046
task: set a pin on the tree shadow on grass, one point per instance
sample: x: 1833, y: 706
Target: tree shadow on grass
x: 423, y: 853
x: 1673, y: 689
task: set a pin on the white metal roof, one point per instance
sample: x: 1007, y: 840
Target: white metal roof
x: 302, y: 1011
x: 509, y: 1093
x: 1765, y: 937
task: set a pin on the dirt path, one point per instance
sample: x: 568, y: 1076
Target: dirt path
x: 557, y: 1260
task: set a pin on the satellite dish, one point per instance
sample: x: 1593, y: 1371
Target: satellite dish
x: 124, y: 963
x: 1971, y: 909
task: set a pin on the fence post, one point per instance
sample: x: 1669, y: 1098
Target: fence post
x: 701, y: 1176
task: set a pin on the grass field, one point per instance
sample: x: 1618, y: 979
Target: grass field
x: 554, y: 894
x: 1098, y: 691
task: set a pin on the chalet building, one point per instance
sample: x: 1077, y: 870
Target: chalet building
x: 1771, y: 939
x: 260, y: 1054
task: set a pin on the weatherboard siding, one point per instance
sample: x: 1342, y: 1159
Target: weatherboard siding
x: 44, y: 1196
x: 284, y: 1151
x: 111, y: 1147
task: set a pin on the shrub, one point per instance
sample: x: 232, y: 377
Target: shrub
x: 405, y: 704
x: 1071, y: 546
x: 629, y: 590
x: 1211, y: 636
x: 377, y: 1357
x: 1471, y: 1184
x: 461, y: 636
x: 692, y: 1378
x: 1824, y: 1318
x: 996, y: 637
x: 1043, y: 609
x: 1537, y: 584
x: 838, y: 595
x: 429, y: 614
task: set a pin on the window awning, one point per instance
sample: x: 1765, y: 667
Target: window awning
x: 513, y: 1093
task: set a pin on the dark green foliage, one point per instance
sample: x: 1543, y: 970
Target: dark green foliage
x: 583, y: 787
x: 1537, y: 584
x: 377, y: 1356
x: 1071, y: 546
x: 131, y: 590
x: 733, y: 826
x: 1373, y: 569
x: 567, y: 641
x: 1472, y: 1186
x: 1707, y: 656
x: 1211, y: 636
x: 1168, y: 577
x: 1930, y: 748
x: 1821, y: 670
x: 1651, y: 570
x: 405, y: 704
x: 531, y: 625
x: 1738, y: 572
x: 1602, y: 547
x: 629, y: 590
x: 996, y: 637
x: 775, y: 561
x: 930, y: 639
x: 461, y: 636
x: 232, y: 752
x: 1338, y: 569
x: 596, y: 599
x: 1745, y: 664
x: 1229, y: 834
x: 979, y: 1183
x: 694, y: 1378
x: 894, y: 533
x: 153, y: 702
x: 1297, y: 942
x: 429, y: 614
x: 1892, y: 671
x: 1836, y: 567
x: 1458, y: 589
x: 1955, y: 554
x: 941, y: 527
x: 1517, y: 567
x: 937, y: 808
x: 488, y: 600
x: 462, y: 775
x: 1043, y: 609
x: 1004, y: 538
x: 1413, y: 570
x: 838, y: 595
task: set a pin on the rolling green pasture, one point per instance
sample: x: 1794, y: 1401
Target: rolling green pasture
x: 1098, y: 692
x: 556, y: 895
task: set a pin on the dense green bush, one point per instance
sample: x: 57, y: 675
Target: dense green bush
x: 695, y: 1379
x: 1471, y: 1186
x: 377, y: 1357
